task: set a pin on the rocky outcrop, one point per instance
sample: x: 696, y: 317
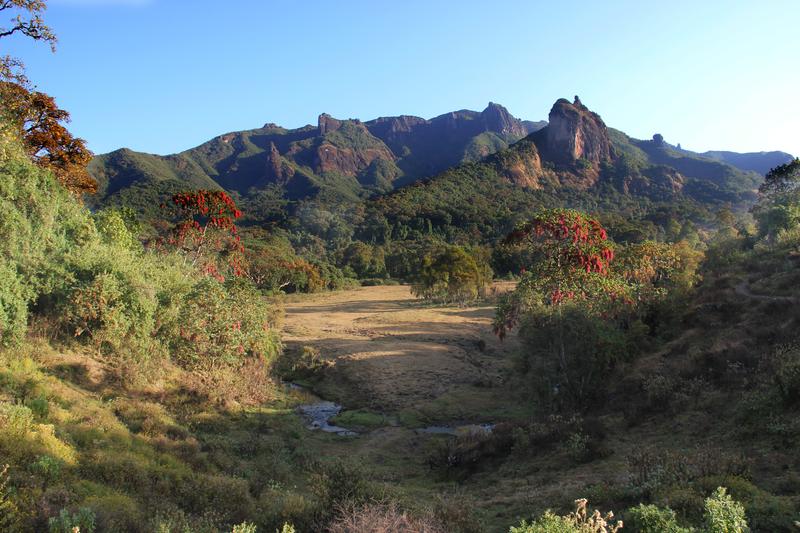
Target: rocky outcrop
x: 351, y: 151
x: 576, y: 135
x: 496, y: 118
x: 346, y: 161
x: 521, y: 165
x: 327, y: 124
x: 666, y: 178
x: 278, y: 171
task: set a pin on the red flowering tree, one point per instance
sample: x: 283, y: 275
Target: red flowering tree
x: 572, y: 259
x: 572, y: 305
x: 205, y: 233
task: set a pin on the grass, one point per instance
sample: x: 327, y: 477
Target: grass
x: 360, y: 419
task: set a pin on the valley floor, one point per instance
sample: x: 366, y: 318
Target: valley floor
x: 395, y: 353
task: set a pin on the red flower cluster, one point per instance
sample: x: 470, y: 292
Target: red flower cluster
x: 207, y: 202
x: 200, y: 211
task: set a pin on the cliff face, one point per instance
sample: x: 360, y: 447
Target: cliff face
x: 574, y: 133
x: 496, y: 118
x: 521, y: 165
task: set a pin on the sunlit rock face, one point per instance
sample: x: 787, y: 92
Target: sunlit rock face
x: 575, y: 133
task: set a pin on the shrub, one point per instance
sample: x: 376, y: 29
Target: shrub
x: 303, y: 364
x: 723, y: 515
x: 338, y: 483
x: 452, y: 275
x: 569, y: 353
x: 652, y: 519
x: 115, y: 512
x: 14, y: 299
x: 83, y: 520
x: 46, y: 468
x: 787, y: 374
x: 277, y: 507
x: 459, y: 456
x: 382, y: 518
x: 21, y: 437
x: 245, y: 527
x: 10, y: 514
x: 579, y: 521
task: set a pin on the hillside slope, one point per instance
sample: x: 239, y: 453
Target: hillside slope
x: 575, y: 161
x: 346, y: 157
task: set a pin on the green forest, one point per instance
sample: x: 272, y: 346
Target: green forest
x: 638, y: 369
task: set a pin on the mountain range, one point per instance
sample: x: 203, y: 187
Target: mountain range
x: 349, y: 157
x: 354, y: 159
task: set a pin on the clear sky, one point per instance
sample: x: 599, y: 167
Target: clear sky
x: 165, y: 75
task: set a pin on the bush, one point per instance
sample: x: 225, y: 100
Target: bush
x: 14, y: 299
x: 83, y: 521
x: 452, y: 275
x: 652, y: 519
x: 388, y: 518
x: 221, y: 326
x: 569, y: 352
x: 787, y: 374
x: 93, y: 278
x: 723, y: 515
x: 578, y: 522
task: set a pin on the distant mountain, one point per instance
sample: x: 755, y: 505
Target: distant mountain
x: 576, y: 161
x: 347, y: 158
x: 761, y: 162
x: 459, y: 160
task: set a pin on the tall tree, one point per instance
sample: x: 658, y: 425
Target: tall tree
x: 40, y: 125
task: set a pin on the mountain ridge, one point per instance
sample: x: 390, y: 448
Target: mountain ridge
x: 347, y: 156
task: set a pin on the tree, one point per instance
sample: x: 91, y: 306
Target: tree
x: 40, y: 125
x: 778, y: 207
x: 571, y: 258
x: 26, y: 20
x: 452, y: 274
x: 573, y: 307
x: 206, y: 233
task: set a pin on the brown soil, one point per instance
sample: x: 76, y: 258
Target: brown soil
x: 392, y: 351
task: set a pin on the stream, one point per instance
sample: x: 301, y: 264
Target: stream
x: 319, y: 413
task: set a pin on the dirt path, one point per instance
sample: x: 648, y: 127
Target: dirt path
x: 743, y: 289
x: 393, y: 352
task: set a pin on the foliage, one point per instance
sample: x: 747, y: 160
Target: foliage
x: 28, y: 22
x: 244, y: 527
x: 570, y: 352
x: 452, y: 274
x: 653, y: 519
x: 40, y: 124
x: 206, y: 234
x: 376, y: 517
x: 14, y: 297
x: 83, y: 521
x: 787, y: 373
x: 570, y: 260
x: 778, y: 207
x: 90, y: 276
x: 273, y: 266
x: 579, y: 521
x: 723, y: 515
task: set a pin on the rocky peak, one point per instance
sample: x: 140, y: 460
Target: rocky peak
x: 575, y: 133
x: 327, y: 123
x: 497, y: 118
x: 277, y: 169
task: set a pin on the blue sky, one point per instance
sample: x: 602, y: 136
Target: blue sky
x: 165, y: 75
